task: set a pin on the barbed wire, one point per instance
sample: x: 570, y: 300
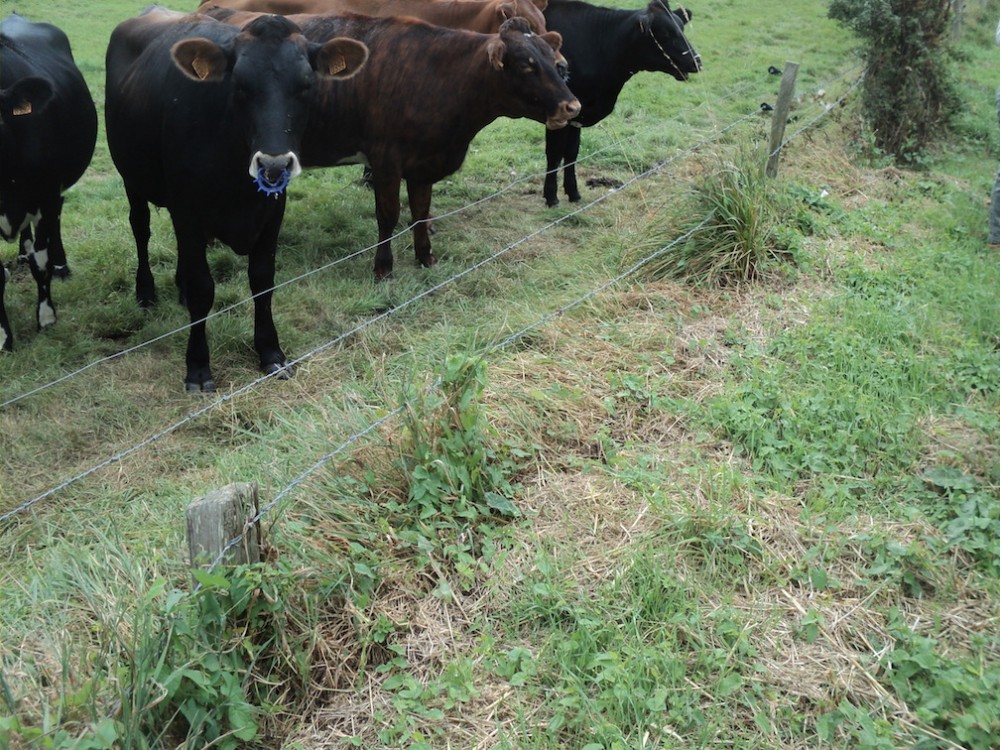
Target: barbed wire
x: 507, y: 341
x: 824, y: 110
x: 371, y: 321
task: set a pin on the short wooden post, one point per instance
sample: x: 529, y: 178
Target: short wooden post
x: 780, y: 116
x: 222, y: 515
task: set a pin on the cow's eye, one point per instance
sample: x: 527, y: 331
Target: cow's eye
x: 563, y: 70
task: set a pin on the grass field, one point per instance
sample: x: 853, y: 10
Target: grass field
x: 663, y: 515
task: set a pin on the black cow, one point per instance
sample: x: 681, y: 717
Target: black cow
x: 48, y: 129
x: 605, y: 47
x: 425, y: 93
x: 206, y: 119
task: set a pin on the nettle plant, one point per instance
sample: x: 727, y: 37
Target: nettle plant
x: 459, y: 483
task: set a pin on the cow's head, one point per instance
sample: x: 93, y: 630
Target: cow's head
x: 21, y: 104
x: 271, y: 70
x: 665, y: 48
x: 534, y: 74
x: 530, y: 10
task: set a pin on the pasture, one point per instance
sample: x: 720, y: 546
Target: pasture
x: 511, y: 504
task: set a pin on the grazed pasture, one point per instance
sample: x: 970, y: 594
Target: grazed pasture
x: 761, y: 515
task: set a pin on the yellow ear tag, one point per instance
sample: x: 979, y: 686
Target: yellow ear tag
x: 201, y: 67
x: 24, y: 108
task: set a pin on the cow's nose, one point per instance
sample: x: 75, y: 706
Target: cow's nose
x: 571, y: 109
x: 273, y: 165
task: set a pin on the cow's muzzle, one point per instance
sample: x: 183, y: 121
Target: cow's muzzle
x: 565, y: 112
x: 272, y: 172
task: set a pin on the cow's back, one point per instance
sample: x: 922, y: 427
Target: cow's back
x: 484, y: 16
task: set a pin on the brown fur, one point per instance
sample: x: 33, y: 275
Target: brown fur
x: 485, y: 16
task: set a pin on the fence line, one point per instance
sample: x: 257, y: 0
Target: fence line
x: 322, y: 268
x: 824, y: 110
x: 351, y: 440
x: 329, y: 344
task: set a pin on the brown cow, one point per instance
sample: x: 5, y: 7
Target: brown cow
x: 484, y: 16
x: 415, y: 107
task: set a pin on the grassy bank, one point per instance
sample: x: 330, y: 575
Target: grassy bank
x: 756, y: 515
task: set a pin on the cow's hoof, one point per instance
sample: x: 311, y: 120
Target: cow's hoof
x: 574, y: 198
x: 60, y: 272
x: 207, y: 386
x: 282, y: 371
x: 428, y: 260
x: 551, y: 202
x: 383, y: 274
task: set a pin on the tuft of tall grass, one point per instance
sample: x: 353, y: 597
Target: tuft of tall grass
x: 731, y: 219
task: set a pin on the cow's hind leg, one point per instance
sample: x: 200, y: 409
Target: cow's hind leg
x: 138, y: 219
x: 420, y: 211
x: 6, y: 335
x: 25, y: 241
x: 570, y: 154
x: 260, y: 273
x: 554, y: 147
x: 57, y: 253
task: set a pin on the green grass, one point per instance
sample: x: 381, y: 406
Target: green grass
x: 764, y: 514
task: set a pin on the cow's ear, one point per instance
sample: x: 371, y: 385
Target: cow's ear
x: 200, y: 59
x: 26, y: 97
x: 341, y: 57
x: 506, y: 10
x: 496, y: 50
x: 684, y: 14
x: 553, y: 39
x: 540, y: 4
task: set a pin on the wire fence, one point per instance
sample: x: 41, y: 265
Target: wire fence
x: 195, y: 414
x: 613, y: 145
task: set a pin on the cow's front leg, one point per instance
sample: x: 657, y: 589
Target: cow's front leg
x: 570, y: 153
x: 554, y: 146
x: 138, y: 219
x: 260, y: 272
x: 200, y: 288
x: 6, y: 335
x: 37, y: 255
x: 420, y: 211
x: 387, y: 214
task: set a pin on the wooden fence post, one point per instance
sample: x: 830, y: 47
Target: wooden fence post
x: 780, y: 116
x: 219, y: 517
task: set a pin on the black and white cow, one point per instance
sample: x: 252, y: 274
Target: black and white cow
x: 206, y: 119
x: 605, y: 47
x: 48, y: 129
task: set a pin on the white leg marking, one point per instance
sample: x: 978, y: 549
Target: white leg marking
x: 41, y: 258
x: 46, y: 315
